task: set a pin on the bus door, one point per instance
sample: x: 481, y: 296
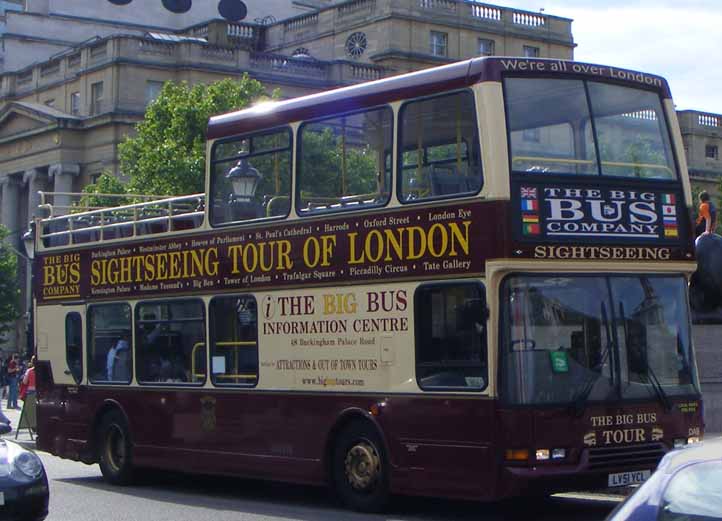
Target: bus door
x: 444, y: 434
x: 60, y: 341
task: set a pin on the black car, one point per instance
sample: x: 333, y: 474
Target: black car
x: 23, y: 484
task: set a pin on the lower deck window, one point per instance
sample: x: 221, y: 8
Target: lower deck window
x: 109, y: 349
x: 451, y: 351
x: 234, y: 340
x: 171, y: 342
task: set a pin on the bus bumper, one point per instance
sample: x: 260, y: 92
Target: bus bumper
x: 593, y: 471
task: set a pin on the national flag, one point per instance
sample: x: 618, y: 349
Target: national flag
x: 670, y: 219
x: 668, y: 199
x: 530, y: 218
x: 530, y: 205
x: 528, y: 193
x: 531, y: 229
x: 670, y: 232
x: 669, y: 209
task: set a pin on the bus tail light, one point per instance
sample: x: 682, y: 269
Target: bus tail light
x: 517, y: 455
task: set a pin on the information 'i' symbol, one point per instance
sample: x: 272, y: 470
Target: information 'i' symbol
x: 268, y: 307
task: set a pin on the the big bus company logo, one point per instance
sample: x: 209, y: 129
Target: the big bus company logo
x: 574, y: 212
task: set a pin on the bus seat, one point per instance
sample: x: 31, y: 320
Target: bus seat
x: 448, y: 181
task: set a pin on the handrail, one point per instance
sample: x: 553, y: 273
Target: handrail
x: 155, y: 210
x: 590, y: 162
x: 222, y: 344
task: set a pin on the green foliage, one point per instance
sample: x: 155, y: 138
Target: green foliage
x: 168, y: 154
x: 323, y: 158
x: 9, y: 291
x: 106, y: 184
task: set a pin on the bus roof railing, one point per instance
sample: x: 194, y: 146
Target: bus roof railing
x: 157, y: 214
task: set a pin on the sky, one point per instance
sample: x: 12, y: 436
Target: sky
x: 680, y: 40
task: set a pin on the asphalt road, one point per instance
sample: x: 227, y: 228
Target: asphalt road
x: 78, y: 493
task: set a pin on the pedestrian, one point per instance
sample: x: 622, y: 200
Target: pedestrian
x: 13, y: 368
x: 29, y: 378
x: 707, y: 219
x: 3, y: 376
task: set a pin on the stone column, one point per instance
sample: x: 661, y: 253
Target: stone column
x: 9, y: 214
x: 35, y: 179
x: 62, y: 175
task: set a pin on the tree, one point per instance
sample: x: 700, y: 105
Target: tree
x: 106, y: 184
x: 9, y: 290
x: 168, y: 154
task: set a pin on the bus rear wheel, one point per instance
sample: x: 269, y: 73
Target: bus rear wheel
x: 360, y: 473
x: 115, y: 450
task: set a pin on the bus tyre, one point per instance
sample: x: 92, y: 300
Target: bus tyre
x: 360, y: 468
x: 115, y: 450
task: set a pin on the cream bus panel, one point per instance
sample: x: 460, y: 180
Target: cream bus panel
x: 51, y: 324
x: 353, y: 338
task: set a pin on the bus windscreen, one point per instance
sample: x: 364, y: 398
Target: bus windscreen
x: 601, y: 337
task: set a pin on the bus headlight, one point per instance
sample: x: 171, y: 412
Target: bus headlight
x: 692, y: 439
x: 542, y: 454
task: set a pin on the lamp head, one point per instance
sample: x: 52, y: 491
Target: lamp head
x: 244, y: 179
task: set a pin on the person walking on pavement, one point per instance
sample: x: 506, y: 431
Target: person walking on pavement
x: 13, y: 368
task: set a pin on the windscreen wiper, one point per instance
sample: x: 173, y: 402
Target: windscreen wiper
x: 579, y: 400
x: 652, y: 377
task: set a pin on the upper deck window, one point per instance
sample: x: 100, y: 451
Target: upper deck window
x: 344, y: 162
x: 439, y: 148
x: 251, y: 177
x: 587, y: 128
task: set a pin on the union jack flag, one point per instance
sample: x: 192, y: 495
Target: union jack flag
x: 528, y: 193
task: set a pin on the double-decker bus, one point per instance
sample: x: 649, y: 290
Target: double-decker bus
x: 469, y: 281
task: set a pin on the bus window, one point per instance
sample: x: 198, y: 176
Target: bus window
x: 234, y: 340
x: 547, y: 122
x: 632, y: 132
x: 559, y: 126
x: 109, y: 353
x: 451, y: 351
x: 440, y: 148
x: 251, y: 177
x: 342, y: 162
x: 74, y: 345
x: 170, y: 342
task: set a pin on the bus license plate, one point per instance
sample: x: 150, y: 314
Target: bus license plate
x: 622, y: 479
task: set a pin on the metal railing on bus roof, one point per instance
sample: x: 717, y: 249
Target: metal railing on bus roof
x: 157, y: 214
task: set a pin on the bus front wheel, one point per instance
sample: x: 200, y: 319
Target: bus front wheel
x: 115, y: 450
x: 360, y: 469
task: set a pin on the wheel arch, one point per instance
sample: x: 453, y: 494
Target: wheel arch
x: 345, y: 418
x: 109, y: 406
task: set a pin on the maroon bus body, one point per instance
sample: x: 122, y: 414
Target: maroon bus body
x: 447, y: 446
x: 439, y: 444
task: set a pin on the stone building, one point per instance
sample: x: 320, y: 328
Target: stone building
x: 76, y: 81
x: 702, y: 136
